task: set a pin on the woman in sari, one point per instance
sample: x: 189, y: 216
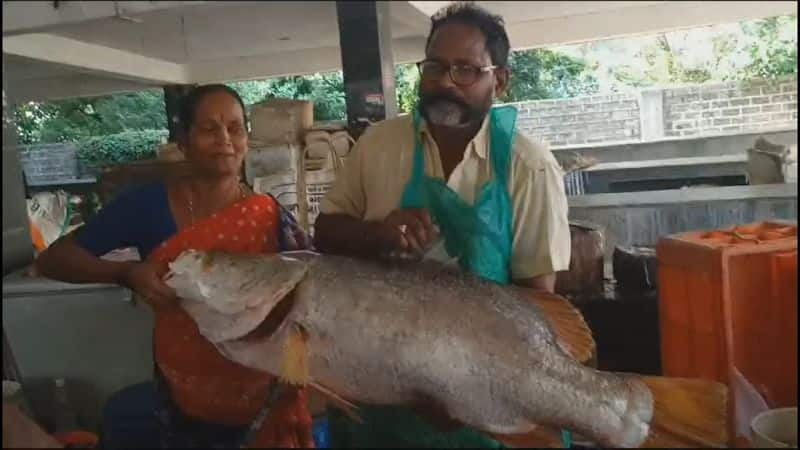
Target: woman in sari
x: 197, y: 398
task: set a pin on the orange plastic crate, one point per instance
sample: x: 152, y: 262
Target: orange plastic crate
x: 728, y: 312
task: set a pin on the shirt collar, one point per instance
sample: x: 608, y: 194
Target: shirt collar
x: 478, y: 144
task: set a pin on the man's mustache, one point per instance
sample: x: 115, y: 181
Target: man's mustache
x: 428, y: 100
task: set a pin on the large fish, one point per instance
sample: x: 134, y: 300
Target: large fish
x: 497, y: 358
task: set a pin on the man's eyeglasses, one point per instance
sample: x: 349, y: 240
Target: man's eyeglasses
x: 461, y: 74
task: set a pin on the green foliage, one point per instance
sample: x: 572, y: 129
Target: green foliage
x: 326, y: 90
x: 773, y: 53
x: 77, y: 119
x: 120, y: 147
x: 406, y: 85
x: 664, y: 66
x: 768, y: 47
x: 542, y: 74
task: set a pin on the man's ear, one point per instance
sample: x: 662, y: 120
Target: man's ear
x: 502, y: 77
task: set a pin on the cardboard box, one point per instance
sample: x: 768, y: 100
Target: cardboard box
x: 281, y: 120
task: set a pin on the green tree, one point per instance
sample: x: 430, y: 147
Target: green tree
x: 81, y: 118
x: 664, y: 66
x: 773, y: 49
x: 541, y: 74
x: 768, y: 48
x: 326, y: 90
x: 406, y: 85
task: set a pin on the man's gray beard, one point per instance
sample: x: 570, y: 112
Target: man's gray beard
x: 447, y: 114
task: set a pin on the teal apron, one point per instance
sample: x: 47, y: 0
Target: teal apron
x: 480, y: 237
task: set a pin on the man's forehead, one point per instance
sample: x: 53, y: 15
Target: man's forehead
x: 458, y: 41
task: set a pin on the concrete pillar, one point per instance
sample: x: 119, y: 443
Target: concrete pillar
x: 365, y: 39
x: 172, y: 97
x: 17, y: 245
x: 651, y: 114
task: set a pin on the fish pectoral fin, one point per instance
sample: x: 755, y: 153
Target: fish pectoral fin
x: 294, y: 368
x: 347, y: 407
x: 572, y: 332
x: 541, y: 437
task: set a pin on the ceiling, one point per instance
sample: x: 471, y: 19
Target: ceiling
x: 92, y: 48
x: 220, y: 29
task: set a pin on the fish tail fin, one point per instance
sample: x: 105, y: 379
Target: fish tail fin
x: 687, y: 413
x: 571, y: 330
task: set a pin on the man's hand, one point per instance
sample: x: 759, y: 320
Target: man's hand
x: 407, y: 231
x: 288, y: 424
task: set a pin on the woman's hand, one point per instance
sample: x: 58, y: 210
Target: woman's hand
x: 145, y: 279
x: 288, y: 424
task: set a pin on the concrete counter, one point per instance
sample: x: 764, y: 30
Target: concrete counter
x: 641, y: 218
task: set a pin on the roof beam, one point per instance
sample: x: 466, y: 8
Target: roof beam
x: 59, y: 88
x: 297, y: 62
x: 411, y: 16
x: 21, y: 17
x: 644, y: 19
x: 429, y: 7
x: 94, y: 58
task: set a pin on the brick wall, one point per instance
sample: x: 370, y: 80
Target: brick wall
x: 698, y: 110
x: 730, y: 107
x: 581, y: 120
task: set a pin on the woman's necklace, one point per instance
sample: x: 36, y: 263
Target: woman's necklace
x: 190, y: 202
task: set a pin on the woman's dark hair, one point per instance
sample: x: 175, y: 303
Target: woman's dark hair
x: 189, y: 102
x: 468, y: 13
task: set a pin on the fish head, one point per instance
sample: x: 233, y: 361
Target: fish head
x: 229, y: 295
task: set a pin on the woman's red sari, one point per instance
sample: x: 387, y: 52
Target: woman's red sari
x: 203, y: 384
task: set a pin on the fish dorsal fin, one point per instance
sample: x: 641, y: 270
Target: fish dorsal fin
x: 572, y: 332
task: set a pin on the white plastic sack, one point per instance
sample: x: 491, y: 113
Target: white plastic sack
x: 50, y: 216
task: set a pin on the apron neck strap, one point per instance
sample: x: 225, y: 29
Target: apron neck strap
x: 502, y: 125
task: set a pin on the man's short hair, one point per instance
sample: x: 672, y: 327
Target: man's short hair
x: 468, y: 13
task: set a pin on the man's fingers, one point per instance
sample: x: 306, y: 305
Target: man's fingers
x: 418, y: 229
x: 424, y: 217
x: 413, y: 243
